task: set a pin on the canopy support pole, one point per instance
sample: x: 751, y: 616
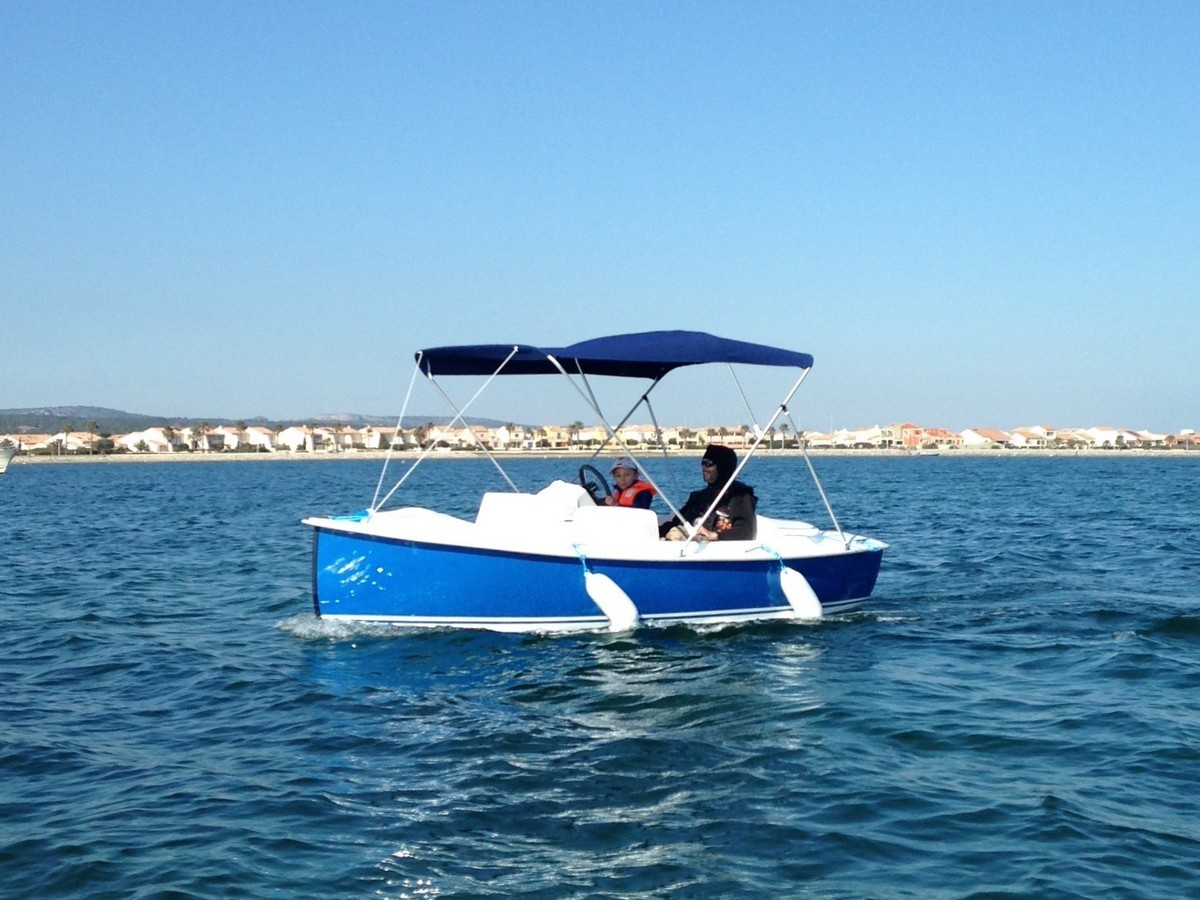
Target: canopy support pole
x: 458, y: 417
x: 821, y: 491
x: 589, y: 398
x: 779, y: 410
x: 742, y: 394
x: 399, y: 430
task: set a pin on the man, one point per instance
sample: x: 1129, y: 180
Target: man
x: 734, y: 518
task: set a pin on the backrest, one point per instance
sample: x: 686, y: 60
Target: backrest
x: 552, y: 505
x: 614, y: 524
x: 505, y: 509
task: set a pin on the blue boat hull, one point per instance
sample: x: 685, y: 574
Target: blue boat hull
x: 366, y: 577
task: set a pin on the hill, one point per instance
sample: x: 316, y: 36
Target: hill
x: 53, y: 419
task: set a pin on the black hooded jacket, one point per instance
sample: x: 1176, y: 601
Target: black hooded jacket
x: 734, y: 518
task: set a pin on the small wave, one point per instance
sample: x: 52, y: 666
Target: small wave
x: 308, y: 627
x: 1178, y: 626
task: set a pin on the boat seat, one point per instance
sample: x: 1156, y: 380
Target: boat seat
x: 565, y: 497
x: 614, y: 524
x: 504, y: 509
x: 552, y: 505
x: 775, y: 530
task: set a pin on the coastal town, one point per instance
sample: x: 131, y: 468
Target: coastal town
x: 313, y: 438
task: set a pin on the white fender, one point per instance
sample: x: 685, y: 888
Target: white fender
x: 613, y: 602
x: 800, y: 594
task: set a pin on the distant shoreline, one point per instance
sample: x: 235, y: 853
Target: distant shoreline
x: 582, y: 456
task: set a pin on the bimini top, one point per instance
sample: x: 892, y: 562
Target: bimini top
x: 649, y: 354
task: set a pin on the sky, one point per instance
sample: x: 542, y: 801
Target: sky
x: 971, y: 214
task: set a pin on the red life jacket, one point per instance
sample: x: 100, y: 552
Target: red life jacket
x: 625, y: 497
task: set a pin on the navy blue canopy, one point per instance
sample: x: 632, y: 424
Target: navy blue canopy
x: 650, y: 354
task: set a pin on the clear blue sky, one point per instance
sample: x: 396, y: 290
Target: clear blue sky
x: 969, y: 213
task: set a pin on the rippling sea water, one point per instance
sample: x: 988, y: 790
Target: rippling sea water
x: 1014, y: 713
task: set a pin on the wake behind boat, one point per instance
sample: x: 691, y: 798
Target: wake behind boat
x: 559, y: 559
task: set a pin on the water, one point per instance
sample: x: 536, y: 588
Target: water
x: 1013, y: 714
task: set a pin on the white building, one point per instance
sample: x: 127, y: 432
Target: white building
x: 151, y: 440
x: 984, y: 438
x: 295, y: 438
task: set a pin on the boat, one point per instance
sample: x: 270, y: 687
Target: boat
x: 558, y: 559
x: 6, y: 456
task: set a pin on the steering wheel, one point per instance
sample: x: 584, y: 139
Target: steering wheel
x: 593, y: 482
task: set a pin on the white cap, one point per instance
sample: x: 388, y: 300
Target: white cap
x: 623, y: 462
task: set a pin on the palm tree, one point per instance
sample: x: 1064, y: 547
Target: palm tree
x: 66, y: 440
x: 92, y: 427
x: 240, y: 427
x: 783, y: 433
x: 572, y: 431
x: 169, y: 434
x: 202, y: 431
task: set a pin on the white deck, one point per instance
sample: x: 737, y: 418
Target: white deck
x: 561, y: 520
